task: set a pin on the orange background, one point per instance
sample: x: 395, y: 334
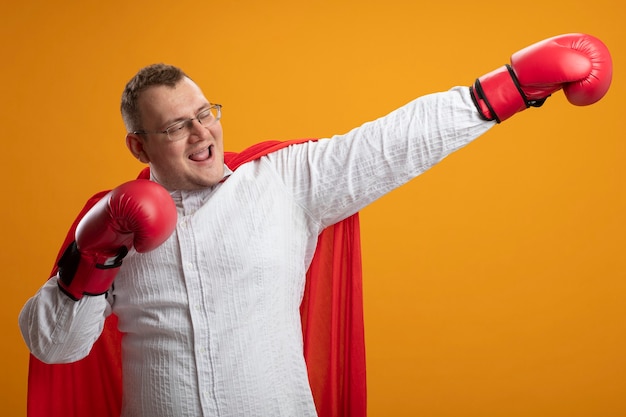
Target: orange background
x: 494, y: 283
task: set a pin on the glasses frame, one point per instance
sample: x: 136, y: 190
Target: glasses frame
x: 185, y: 123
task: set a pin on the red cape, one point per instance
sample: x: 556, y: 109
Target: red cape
x: 332, y: 326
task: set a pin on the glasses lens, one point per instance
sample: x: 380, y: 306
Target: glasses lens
x: 182, y: 129
x: 178, y: 131
x: 206, y: 117
x: 216, y: 109
x: 210, y: 115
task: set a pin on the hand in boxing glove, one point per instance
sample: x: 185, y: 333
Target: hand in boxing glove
x: 139, y: 213
x: 579, y: 64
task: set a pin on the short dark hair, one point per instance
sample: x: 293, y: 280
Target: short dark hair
x: 152, y: 75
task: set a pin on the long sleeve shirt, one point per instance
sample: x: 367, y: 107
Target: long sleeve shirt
x: 210, y: 319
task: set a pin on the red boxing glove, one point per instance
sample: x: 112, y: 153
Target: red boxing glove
x: 139, y: 213
x: 579, y: 64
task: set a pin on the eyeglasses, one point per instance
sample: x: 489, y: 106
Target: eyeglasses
x: 182, y: 129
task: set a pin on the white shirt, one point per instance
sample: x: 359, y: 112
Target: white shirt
x: 211, y: 318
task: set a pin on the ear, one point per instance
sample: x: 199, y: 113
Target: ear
x: 135, y: 143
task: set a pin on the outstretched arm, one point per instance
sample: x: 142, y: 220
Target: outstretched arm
x: 335, y: 178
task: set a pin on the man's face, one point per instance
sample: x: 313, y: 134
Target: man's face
x: 192, y: 163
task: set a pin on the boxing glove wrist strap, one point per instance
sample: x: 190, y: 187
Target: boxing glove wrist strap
x: 499, y: 95
x: 80, y: 275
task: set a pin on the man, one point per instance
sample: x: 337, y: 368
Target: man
x: 208, y: 293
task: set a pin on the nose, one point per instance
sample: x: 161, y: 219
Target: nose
x: 197, y: 129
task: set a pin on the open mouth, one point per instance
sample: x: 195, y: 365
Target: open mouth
x: 203, y: 154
